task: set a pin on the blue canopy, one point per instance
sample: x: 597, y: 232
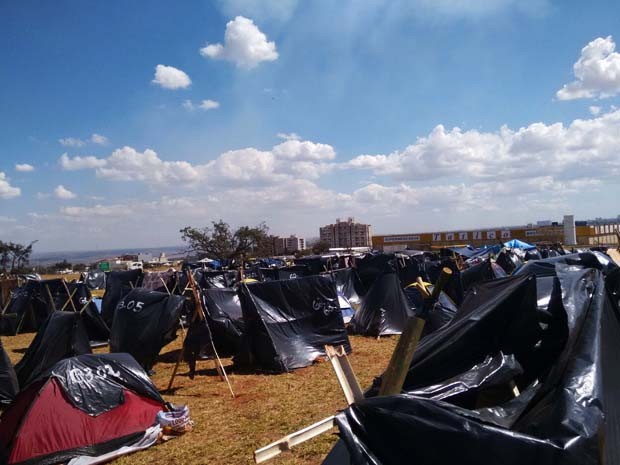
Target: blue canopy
x: 517, y: 244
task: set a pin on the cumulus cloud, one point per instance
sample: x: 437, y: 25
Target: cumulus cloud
x: 595, y: 110
x: 80, y: 163
x: 96, y: 210
x: 99, y: 139
x: 584, y: 148
x: 127, y: 164
x: 244, y: 44
x: 597, y: 72
x: 24, y: 167
x: 6, y: 190
x: 170, y: 77
x: 62, y: 193
x: 72, y: 142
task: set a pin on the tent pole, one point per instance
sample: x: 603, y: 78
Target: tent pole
x: 70, y: 296
x: 49, y: 293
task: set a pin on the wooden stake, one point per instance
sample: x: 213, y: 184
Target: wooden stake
x: 394, y: 376
x: 70, y: 296
x: 445, y: 275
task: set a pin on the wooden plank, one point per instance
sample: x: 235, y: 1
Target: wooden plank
x: 344, y: 373
x: 287, y: 442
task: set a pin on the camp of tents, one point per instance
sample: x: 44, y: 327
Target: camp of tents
x: 514, y: 363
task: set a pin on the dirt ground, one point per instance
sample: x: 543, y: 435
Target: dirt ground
x: 266, y: 407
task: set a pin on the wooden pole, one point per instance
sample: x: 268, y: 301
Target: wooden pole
x: 394, y: 376
x: 70, y: 296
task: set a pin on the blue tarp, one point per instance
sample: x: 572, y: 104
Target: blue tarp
x: 517, y: 244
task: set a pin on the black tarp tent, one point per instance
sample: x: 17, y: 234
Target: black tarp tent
x: 345, y: 280
x: 94, y: 279
x: 481, y: 272
x: 144, y: 322
x: 384, y: 309
x: 9, y: 387
x: 118, y: 283
x: 96, y: 328
x: 225, y: 319
x: 28, y: 308
x: 61, y: 336
x: 288, y: 323
x: 460, y: 386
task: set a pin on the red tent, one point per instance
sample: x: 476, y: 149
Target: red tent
x: 86, y: 405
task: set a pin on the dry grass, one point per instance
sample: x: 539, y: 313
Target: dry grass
x: 227, y: 431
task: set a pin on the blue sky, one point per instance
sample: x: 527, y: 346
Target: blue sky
x: 410, y: 115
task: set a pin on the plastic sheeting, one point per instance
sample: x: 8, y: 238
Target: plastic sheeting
x: 345, y: 280
x: 9, y: 387
x: 384, y: 309
x: 459, y: 386
x: 28, y: 309
x: 546, y: 267
x: 96, y: 328
x: 481, y: 272
x: 61, y: 336
x: 288, y: 323
x: 145, y: 321
x: 225, y: 319
x: 95, y: 279
x: 95, y: 383
x: 118, y: 283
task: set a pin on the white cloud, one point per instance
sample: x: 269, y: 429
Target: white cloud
x: 209, y: 104
x: 61, y: 192
x: 188, y: 105
x: 584, y: 148
x: 127, y: 164
x: 595, y: 110
x: 170, y: 77
x: 99, y: 139
x: 244, y: 44
x: 597, y: 72
x: 80, y: 163
x: 23, y: 167
x: 96, y: 210
x: 72, y: 142
x: 6, y: 190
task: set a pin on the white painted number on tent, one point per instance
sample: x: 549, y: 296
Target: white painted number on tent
x: 134, y: 305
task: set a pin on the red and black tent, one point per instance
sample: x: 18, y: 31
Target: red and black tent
x: 91, y: 405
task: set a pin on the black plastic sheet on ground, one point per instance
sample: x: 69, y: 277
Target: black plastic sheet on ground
x: 145, y: 321
x: 288, y: 323
x: 458, y: 407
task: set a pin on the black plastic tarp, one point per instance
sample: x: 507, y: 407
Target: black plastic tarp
x: 96, y: 328
x: 28, y: 309
x: 144, y: 322
x: 345, y: 280
x: 118, y: 283
x: 61, y: 336
x: 95, y: 279
x: 546, y: 267
x: 480, y: 272
x: 94, y: 383
x: 288, y: 323
x: 225, y: 319
x: 384, y: 309
x: 9, y: 387
x: 459, y: 405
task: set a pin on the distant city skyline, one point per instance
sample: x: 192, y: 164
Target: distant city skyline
x: 121, y: 123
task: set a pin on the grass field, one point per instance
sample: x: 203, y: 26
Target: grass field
x: 266, y: 407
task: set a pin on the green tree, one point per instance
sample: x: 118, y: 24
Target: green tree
x: 219, y: 241
x: 14, y: 257
x: 320, y: 247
